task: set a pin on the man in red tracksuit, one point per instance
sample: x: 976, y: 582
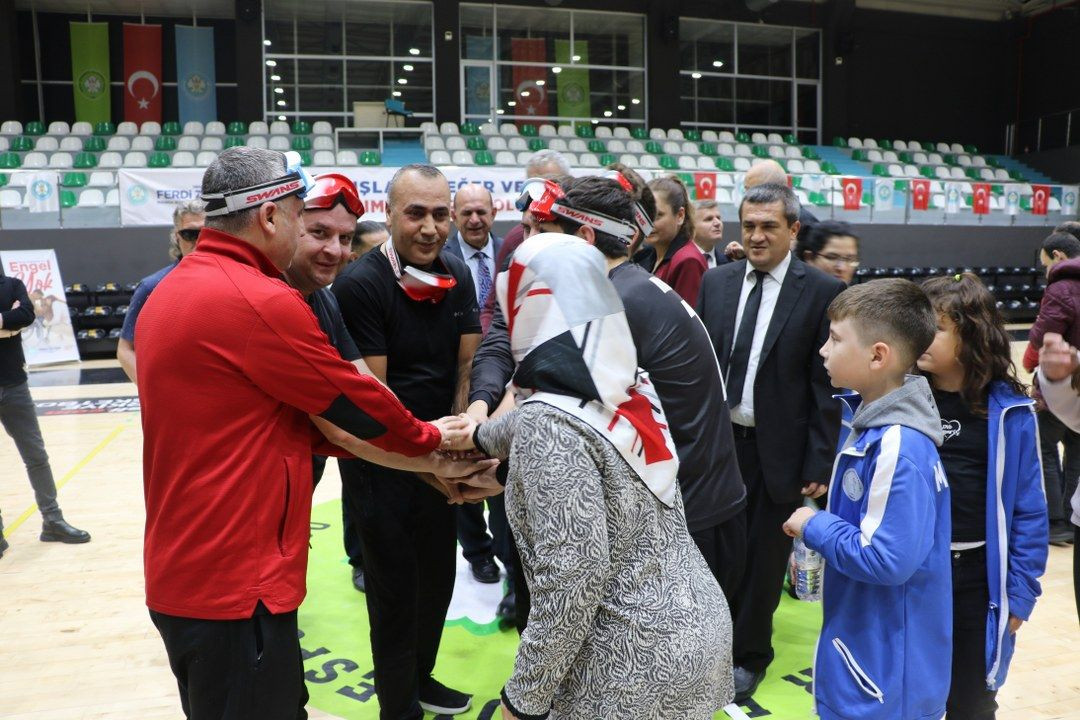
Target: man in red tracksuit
x: 228, y: 443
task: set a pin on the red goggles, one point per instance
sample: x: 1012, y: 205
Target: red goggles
x: 547, y: 202
x: 329, y: 190
x: 419, y: 285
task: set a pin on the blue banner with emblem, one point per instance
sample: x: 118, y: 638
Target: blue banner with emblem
x: 195, y: 83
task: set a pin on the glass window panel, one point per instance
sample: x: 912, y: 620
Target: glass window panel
x: 764, y: 50
x: 583, y: 93
x: 369, y: 72
x: 807, y: 97
x: 477, y: 33
x: 367, y: 39
x: 279, y: 31
x: 529, y: 35
x: 319, y: 72
x: 312, y: 99
x: 703, y: 44
x: 612, y: 39
x: 807, y: 54
x: 761, y: 103
x: 708, y: 99
x: 411, y: 28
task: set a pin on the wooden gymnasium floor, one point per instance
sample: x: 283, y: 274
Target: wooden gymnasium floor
x: 76, y: 641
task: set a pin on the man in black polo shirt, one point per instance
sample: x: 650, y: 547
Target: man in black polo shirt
x: 412, y: 311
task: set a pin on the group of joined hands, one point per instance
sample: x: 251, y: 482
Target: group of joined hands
x: 463, y: 473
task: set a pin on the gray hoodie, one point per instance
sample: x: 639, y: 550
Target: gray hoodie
x: 911, y: 405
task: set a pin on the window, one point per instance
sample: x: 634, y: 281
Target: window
x: 544, y: 65
x: 321, y: 57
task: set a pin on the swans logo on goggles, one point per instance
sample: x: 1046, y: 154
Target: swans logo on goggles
x: 272, y: 193
x: 583, y: 218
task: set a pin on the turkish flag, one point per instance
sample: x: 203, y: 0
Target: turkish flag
x: 530, y: 83
x: 705, y: 186
x: 142, y: 73
x: 920, y: 194
x: 1040, y: 195
x: 852, y: 188
x: 980, y: 198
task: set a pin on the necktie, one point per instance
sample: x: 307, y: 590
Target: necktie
x: 710, y: 259
x: 740, y: 353
x: 483, y: 277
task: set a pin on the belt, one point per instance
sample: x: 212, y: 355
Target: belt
x: 742, y: 431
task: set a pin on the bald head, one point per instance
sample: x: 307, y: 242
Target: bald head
x: 765, y: 172
x: 474, y: 214
x: 473, y: 192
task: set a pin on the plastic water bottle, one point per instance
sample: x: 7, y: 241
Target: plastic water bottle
x: 809, y: 567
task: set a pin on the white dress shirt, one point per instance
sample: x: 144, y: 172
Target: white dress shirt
x: 710, y: 258
x: 468, y: 252
x: 743, y: 413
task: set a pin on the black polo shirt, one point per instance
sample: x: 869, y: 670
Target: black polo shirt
x: 419, y: 339
x: 325, y: 306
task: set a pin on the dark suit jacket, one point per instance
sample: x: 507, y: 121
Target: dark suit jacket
x: 453, y: 247
x: 797, y: 419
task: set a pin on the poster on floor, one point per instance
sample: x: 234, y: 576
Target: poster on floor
x: 51, y: 338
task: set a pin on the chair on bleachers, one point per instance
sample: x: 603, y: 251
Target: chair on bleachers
x: 324, y: 158
x: 212, y: 143
x: 167, y: 143
x: 280, y: 143
x: 322, y: 143
x: 963, y: 161
x: 47, y: 144
x: 559, y: 145
x: 10, y: 199
x: 183, y: 159
x: 649, y: 162
x: 517, y: 144
x: 671, y: 147
x: 759, y: 138
x: 58, y: 128
x: 628, y: 160
x: 487, y: 129
x: 777, y: 152
x: 675, y: 134
x: 522, y: 157
x: 91, y: 198
x: 496, y: 143
x: 112, y: 198
x: 100, y: 178
x: 588, y: 160
x: 509, y: 130
x: 324, y: 128
x: 11, y: 127
x: 257, y: 141
x: 93, y: 143
x: 134, y: 159
x: 577, y: 145
x: 616, y: 146
x: 621, y: 133
x: 258, y: 128
x: 34, y: 160
x: 347, y: 158
x: 187, y: 142
x: 215, y: 127
x: 686, y: 162
x: 603, y: 132
x: 60, y: 161
x: 1000, y: 174
x: 34, y: 128
x: 704, y: 162
x: 657, y: 134
x: 434, y: 142
x: 455, y: 142
x: 635, y: 146
x: 119, y: 143
x: 143, y: 143
x: 505, y: 158
x: 440, y: 157
x: 448, y: 128
x: 279, y: 127
x: 566, y: 131
x: 150, y: 128
x: 462, y: 157
x: 159, y: 160
x: 113, y: 160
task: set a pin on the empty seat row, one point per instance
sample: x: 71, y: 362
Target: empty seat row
x: 82, y: 129
x: 12, y: 199
x: 161, y: 159
x: 872, y: 144
x: 588, y: 131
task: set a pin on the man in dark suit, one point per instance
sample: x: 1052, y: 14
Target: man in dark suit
x: 767, y: 318
x: 474, y: 214
x: 771, y: 172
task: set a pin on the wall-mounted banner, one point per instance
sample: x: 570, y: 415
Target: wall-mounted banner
x: 51, y: 338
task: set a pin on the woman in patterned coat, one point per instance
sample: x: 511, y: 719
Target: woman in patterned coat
x: 627, y: 621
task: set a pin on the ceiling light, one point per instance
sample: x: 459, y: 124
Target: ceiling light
x: 512, y: 103
x: 595, y: 121
x: 414, y: 51
x: 279, y: 91
x: 541, y: 83
x: 607, y: 113
x: 576, y: 58
x: 556, y: 69
x: 636, y: 101
x: 407, y: 68
x: 275, y: 78
x: 696, y: 76
x: 622, y: 107
x: 397, y: 93
x: 500, y: 111
x: 271, y: 63
x: 718, y: 63
x: 280, y: 117
x: 281, y: 103
x: 402, y: 81
x: 524, y: 93
x: 266, y: 43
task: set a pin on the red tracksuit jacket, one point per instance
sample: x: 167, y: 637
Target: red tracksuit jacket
x: 231, y: 362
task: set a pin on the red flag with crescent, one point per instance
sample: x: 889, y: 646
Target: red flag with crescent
x: 920, y: 194
x: 705, y: 186
x: 1040, y: 197
x: 980, y: 198
x: 142, y: 73
x: 530, y: 85
x: 852, y: 189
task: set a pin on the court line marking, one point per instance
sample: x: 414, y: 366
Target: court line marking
x: 67, y: 476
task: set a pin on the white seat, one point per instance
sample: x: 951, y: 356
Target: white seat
x: 4, y: 143
x: 629, y: 160
x: 727, y: 136
x: 183, y: 159
x: 506, y: 158
x: 35, y: 160
x: 11, y: 127
x: 649, y: 162
x: 911, y: 171
x: 812, y: 167
x: 723, y: 195
x: 895, y: 170
x: 571, y: 159
x: 689, y: 147
x: 621, y: 133
x: 191, y: 144
x: 58, y: 127
x: 657, y: 134
x: 323, y: 158
x: 509, y: 129
x: 517, y: 144
x: 900, y: 145
x: 616, y: 146
x: 725, y: 149
x: 47, y: 144
x: 82, y: 129
x: 635, y: 146
x: 60, y: 160
x: 212, y: 142
x: 439, y: 157
x: 742, y: 164
x: 279, y: 143
x: 91, y: 198
x: 793, y: 152
x: 936, y: 187
x: 1053, y: 204
x: 603, y: 132
x: 119, y: 143
x: 704, y: 162
x: 920, y: 158
x: 488, y: 129
x: 257, y: 141
x: 873, y: 156
x: 941, y: 172
x: 672, y: 148
x: 135, y: 160
x: 10, y: 199
x: 142, y: 143
x: 687, y: 163
x: 854, y: 143
x: 150, y: 128
x: 324, y: 128
x: 795, y: 166
x: 724, y: 179
x: 127, y: 129
x: 322, y: 143
x: 957, y: 173
x: 743, y: 150
x: 455, y: 142
x: 942, y: 147
x: 777, y: 152
x: 803, y: 197
x: 776, y: 138
x: 997, y: 203
x: 347, y: 158
x: 986, y: 174
x: 214, y: 127
x: 577, y: 145
x: 935, y: 159
x: 547, y: 130
x: 890, y: 156
x: 914, y: 145
x: 495, y: 143
x: 205, y: 158
x: 675, y: 134
x: 956, y: 148
x: 1001, y: 174
x: 588, y: 160
x: 194, y: 127
x: 759, y: 138
x: 709, y: 136
x: 112, y: 198
x: 566, y: 131
x: 110, y: 160
x: 559, y: 145
x: 978, y: 161
x: 101, y: 179
x: 963, y: 160
x: 462, y: 157
x: 523, y: 157
x: 870, y: 143
x: 434, y: 142
x: 448, y: 128
x: 258, y: 128
x: 279, y: 127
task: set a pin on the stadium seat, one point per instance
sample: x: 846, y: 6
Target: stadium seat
x: 911, y: 171
x: 855, y: 143
x: 183, y: 159
x: 689, y: 147
x: 46, y: 144
x: 616, y: 146
x: 496, y: 143
x: 704, y: 162
x: 3, y: 179
x: 635, y: 146
x: 505, y: 158
x: 300, y: 143
x: 370, y: 157
x: 596, y: 146
x: 777, y: 152
x: 454, y: 142
x: 508, y: 130
x: 119, y: 143
x: 462, y: 157
x: 305, y: 158
x: 870, y: 144
x: 433, y: 142
x: 536, y: 144
x: 170, y: 128
x: 671, y: 147
x: 565, y: 131
x: 279, y: 143
x: 135, y: 159
x: 257, y: 141
x: 476, y: 143
x: 34, y: 160
x: 603, y: 132
x: 571, y: 159
x: 482, y: 157
x: 577, y: 145
x: 809, y: 153
x: 759, y: 138
x: 487, y: 129
x: 279, y: 127
x: 812, y: 167
x: 35, y: 128
x: 628, y: 160
x: 92, y: 198
x: 301, y: 127
x: 725, y: 164
x: 469, y: 128
x: 322, y: 142
x: 743, y: 150
x: 204, y: 158
x: 158, y: 160
x: 522, y: 158
x: 258, y: 128
x: 693, y: 135
x: 212, y: 143
x: 10, y: 199
x: 142, y: 143
x: 639, y: 133
x: 113, y: 160
x: 194, y: 127
x: 707, y: 148
x: 709, y: 136
x: 60, y: 161
x: 957, y: 174
x: 588, y: 160
x: 11, y: 127
x: 4, y: 144
x: 685, y: 162
x: 73, y: 179
x: 112, y: 198
x: 559, y: 145
x: 978, y: 161
x: 607, y: 158
x: 67, y: 199
x: 93, y: 144
x: 448, y: 128
x: 348, y: 158
x: 213, y: 128
x: 167, y: 143
x: 675, y: 134
x: 101, y: 179
x: 236, y: 127
x: 795, y: 165
x: 529, y: 130
x: 649, y: 162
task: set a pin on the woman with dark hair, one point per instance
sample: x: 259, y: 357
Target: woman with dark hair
x: 832, y: 247
x: 670, y: 255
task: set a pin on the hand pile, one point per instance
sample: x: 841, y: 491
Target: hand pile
x: 465, y: 474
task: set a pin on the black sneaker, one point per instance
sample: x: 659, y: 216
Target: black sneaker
x: 441, y: 700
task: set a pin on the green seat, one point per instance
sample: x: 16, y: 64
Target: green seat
x: 597, y: 146
x: 1017, y: 176
x: 35, y: 128
x: 796, y: 181
x: 654, y: 147
x: 906, y: 157
x: 528, y: 130
x: 859, y: 155
x: 104, y: 128
x: 927, y: 172
x: 476, y: 143
x: 692, y: 135
x: 743, y: 137
x: 880, y: 170
x: 73, y: 179
x: 971, y: 149
x: 159, y: 160
x: 234, y: 141
x: 483, y: 157
x: 829, y: 168
x: 639, y: 133
x: 997, y: 190
x: 301, y: 127
x: 536, y: 144
x: 839, y: 142
x: 993, y: 162
x: 3, y: 179
x: 237, y: 127
x: 818, y: 199
x: 607, y: 159
x: 868, y: 196
x: 723, y: 163
x: 707, y: 149
x: 790, y: 139
x: 760, y: 151
x: 9, y: 161
x: 22, y: 144
x: 171, y: 128
x: 67, y: 199
x: 469, y: 129
x: 370, y: 157
x: 1025, y: 202
x: 973, y: 173
x: 810, y: 153
x: 885, y: 144
x: 669, y: 163
x: 584, y: 131
x: 305, y: 158
x: 950, y: 160
x: 94, y: 144
x: 165, y: 143
x: 301, y: 142
x: 86, y: 160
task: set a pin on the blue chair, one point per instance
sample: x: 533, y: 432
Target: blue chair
x: 396, y: 108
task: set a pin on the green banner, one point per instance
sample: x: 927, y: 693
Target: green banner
x: 573, y: 82
x: 90, y: 71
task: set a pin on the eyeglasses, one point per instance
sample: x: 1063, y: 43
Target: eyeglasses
x: 188, y: 234
x: 841, y: 260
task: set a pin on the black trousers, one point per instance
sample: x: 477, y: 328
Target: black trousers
x: 236, y: 669
x: 407, y: 534
x: 724, y: 548
x: 969, y: 699
x: 1076, y: 568
x: 767, y: 550
x: 1060, y: 478
x: 350, y: 536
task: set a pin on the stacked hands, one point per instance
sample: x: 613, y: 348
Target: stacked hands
x: 463, y: 474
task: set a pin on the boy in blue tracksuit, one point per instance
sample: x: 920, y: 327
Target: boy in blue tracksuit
x: 885, y: 646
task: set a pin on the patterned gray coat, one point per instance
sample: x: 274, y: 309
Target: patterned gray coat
x: 627, y: 621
